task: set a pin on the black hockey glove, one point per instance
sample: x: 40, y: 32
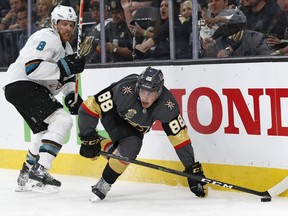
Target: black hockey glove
x: 70, y: 65
x: 90, y: 145
x: 69, y: 99
x: 200, y: 189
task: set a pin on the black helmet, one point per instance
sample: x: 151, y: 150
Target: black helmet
x: 150, y: 79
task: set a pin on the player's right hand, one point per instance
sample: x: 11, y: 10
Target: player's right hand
x: 90, y: 145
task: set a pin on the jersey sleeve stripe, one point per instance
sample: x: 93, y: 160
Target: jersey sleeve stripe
x: 182, y: 144
x: 32, y: 66
x: 83, y: 105
x: 66, y: 67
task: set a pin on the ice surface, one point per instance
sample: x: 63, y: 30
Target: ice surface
x: 130, y: 199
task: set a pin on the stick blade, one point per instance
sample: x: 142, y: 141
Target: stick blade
x: 279, y: 188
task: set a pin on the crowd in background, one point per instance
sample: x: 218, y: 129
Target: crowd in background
x: 139, y: 30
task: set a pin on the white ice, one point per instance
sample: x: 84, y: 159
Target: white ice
x: 130, y: 199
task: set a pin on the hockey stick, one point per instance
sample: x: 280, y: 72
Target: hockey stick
x: 81, y: 11
x: 274, y: 191
x: 56, y: 2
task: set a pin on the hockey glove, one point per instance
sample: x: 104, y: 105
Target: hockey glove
x: 90, y: 145
x: 73, y: 108
x: 70, y: 65
x: 200, y: 189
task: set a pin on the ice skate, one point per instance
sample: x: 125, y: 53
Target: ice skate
x: 100, y: 190
x: 42, y: 181
x: 36, y: 186
x: 22, y: 179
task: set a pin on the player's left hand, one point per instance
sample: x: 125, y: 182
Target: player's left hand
x: 70, y: 65
x: 69, y: 100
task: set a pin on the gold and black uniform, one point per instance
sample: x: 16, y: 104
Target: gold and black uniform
x: 126, y: 121
x: 122, y: 115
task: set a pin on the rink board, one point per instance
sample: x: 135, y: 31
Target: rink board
x: 236, y: 116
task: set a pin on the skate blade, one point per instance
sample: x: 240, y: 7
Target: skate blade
x: 22, y: 189
x: 95, y: 199
x: 36, y: 186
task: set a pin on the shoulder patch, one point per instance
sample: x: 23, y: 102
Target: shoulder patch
x: 127, y: 90
x: 169, y: 104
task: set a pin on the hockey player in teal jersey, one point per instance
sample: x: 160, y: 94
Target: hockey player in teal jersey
x: 127, y: 110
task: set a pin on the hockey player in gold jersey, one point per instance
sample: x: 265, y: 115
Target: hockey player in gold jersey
x: 127, y: 110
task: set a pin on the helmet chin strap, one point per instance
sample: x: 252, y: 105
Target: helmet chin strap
x: 54, y: 25
x: 55, y: 28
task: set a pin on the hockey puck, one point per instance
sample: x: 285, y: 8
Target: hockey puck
x: 266, y: 199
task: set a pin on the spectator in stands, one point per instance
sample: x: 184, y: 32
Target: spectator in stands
x: 231, y: 39
x: 44, y: 9
x: 157, y: 45
x: 94, y: 9
x: 87, y: 4
x: 283, y: 4
x: 4, y: 7
x: 91, y: 18
x: 10, y: 18
x: 94, y: 30
x: 22, y: 24
x: 205, y: 11
x: 135, y: 5
x: 143, y: 23
x: 182, y: 32
x: 185, y: 11
x: 232, y: 4
x: 118, y: 37
x: 216, y: 7
x: 243, y: 6
x: 144, y: 29
x: 210, y: 22
x: 264, y: 16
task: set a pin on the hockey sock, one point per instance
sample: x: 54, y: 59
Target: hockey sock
x: 30, y: 158
x: 109, y: 175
